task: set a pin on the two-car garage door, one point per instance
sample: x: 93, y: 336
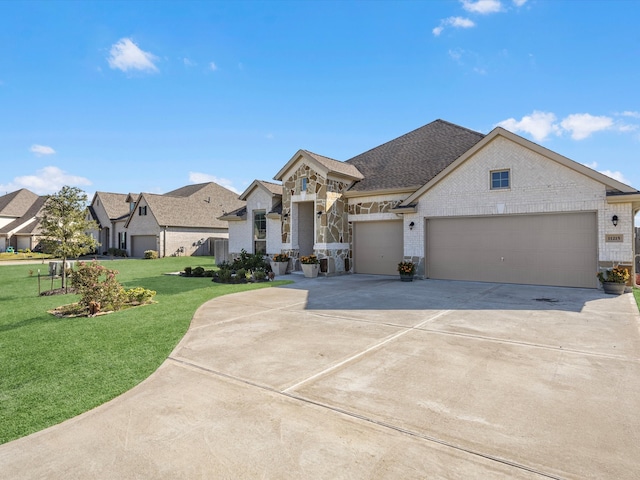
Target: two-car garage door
x: 549, y: 249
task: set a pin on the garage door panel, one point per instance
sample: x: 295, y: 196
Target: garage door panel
x: 378, y: 247
x: 142, y: 243
x: 559, y: 250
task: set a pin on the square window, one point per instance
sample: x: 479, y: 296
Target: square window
x: 500, y: 179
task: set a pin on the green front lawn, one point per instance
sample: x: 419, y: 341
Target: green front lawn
x: 636, y: 293
x: 56, y: 368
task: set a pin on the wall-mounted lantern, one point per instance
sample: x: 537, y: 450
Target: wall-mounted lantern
x: 614, y: 220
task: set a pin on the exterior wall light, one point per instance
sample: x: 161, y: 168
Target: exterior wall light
x: 319, y: 213
x: 614, y: 220
x: 411, y: 225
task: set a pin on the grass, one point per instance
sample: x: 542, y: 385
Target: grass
x: 4, y: 256
x: 636, y: 294
x: 56, y: 368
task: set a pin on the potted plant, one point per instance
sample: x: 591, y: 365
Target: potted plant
x: 614, y: 280
x: 310, y: 266
x: 406, y: 271
x: 280, y: 263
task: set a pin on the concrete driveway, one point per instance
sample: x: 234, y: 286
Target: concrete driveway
x: 365, y: 377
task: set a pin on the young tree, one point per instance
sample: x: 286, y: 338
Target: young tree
x: 64, y: 226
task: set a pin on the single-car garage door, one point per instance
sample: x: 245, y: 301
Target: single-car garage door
x: 141, y: 243
x: 550, y: 249
x: 377, y: 247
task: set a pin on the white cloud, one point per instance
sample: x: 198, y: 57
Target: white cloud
x: 198, y: 177
x: 582, y: 125
x: 126, y: 55
x: 455, y: 22
x: 615, y: 175
x: 539, y: 125
x: 213, y: 67
x: 578, y: 125
x: 630, y: 114
x: 482, y: 7
x: 46, y: 180
x: 189, y: 63
x: 40, y: 150
x: 519, y: 3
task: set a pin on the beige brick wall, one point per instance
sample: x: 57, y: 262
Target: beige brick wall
x: 538, y: 185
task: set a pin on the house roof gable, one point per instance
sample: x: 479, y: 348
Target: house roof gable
x: 116, y: 205
x: 322, y: 164
x: 273, y: 189
x: 609, y: 182
x: 16, y: 204
x: 193, y: 206
x: 33, y: 213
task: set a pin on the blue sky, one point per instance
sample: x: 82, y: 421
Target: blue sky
x: 150, y: 96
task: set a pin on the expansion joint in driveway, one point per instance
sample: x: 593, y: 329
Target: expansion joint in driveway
x: 365, y: 418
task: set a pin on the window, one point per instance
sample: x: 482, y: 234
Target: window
x: 303, y: 188
x: 259, y: 231
x: 122, y: 240
x: 142, y: 210
x: 500, y: 179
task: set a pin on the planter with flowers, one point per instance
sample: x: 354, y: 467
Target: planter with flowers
x: 614, y: 280
x: 406, y: 270
x: 280, y: 263
x: 310, y: 266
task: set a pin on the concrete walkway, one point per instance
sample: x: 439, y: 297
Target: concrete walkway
x: 365, y: 377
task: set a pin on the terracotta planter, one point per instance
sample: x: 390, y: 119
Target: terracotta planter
x: 310, y: 270
x: 613, y: 288
x: 279, y: 268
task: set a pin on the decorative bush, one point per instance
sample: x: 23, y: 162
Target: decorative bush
x: 97, y: 285
x: 187, y: 271
x: 198, y: 272
x: 309, y: 260
x: 614, y: 275
x: 117, y: 252
x: 251, y: 262
x: 281, y: 257
x: 140, y: 296
x: 406, y: 268
x: 259, y: 276
x: 150, y: 254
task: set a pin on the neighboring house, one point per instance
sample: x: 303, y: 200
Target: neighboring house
x: 256, y: 227
x: 181, y: 222
x: 460, y: 204
x: 20, y: 219
x: 111, y: 212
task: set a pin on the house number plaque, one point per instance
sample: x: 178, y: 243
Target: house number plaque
x: 614, y: 238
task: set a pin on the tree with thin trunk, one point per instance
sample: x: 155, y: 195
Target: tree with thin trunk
x: 64, y: 226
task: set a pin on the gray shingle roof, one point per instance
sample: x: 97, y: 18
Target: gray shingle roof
x: 115, y: 204
x: 275, y: 188
x: 193, y: 206
x: 33, y: 211
x: 413, y: 159
x: 336, y: 165
x: 16, y: 204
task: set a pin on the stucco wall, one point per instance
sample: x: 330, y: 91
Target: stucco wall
x: 538, y: 185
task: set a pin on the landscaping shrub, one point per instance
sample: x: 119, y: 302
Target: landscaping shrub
x: 251, y: 262
x: 97, y: 285
x: 259, y: 276
x: 117, y: 252
x: 150, y: 254
x: 187, y: 271
x: 198, y: 272
x: 139, y: 295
